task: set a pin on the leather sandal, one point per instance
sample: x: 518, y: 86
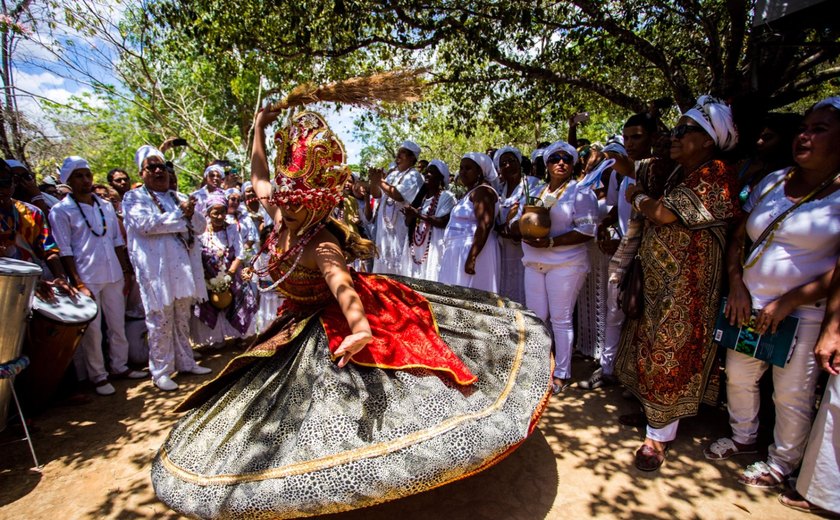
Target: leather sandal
x: 649, y: 458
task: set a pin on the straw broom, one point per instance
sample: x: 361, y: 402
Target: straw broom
x: 396, y: 86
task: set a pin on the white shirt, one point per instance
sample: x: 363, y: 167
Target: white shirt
x: 804, y: 246
x: 576, y: 210
x: 617, y: 197
x: 201, y: 195
x: 165, y: 269
x: 95, y: 258
x: 391, y: 230
x: 507, y: 203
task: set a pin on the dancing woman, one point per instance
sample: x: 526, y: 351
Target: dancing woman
x: 431, y: 384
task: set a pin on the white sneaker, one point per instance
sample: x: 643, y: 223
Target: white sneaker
x: 166, y: 384
x: 105, y: 388
x: 199, y: 370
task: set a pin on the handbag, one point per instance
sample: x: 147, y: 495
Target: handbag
x: 631, y: 289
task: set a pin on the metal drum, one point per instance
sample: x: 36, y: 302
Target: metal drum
x: 55, y: 331
x: 17, y: 288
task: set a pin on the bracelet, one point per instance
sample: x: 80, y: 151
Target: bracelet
x: 638, y: 198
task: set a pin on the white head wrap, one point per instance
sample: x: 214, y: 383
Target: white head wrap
x: 411, y: 147
x: 506, y: 149
x: 485, y: 163
x: 231, y: 191
x: 245, y: 186
x: 14, y: 163
x: 214, y: 168
x: 536, y: 154
x: 443, y: 169
x: 144, y: 152
x: 49, y: 179
x: 615, y: 148
x: 833, y: 101
x: 71, y: 164
x: 563, y: 146
x: 716, y: 119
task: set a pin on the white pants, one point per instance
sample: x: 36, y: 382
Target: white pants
x: 551, y: 291
x: 665, y: 434
x: 169, y: 339
x: 793, y: 396
x: 612, y: 334
x: 819, y: 478
x: 89, y: 360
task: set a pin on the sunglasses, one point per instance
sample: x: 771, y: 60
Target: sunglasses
x: 156, y: 167
x: 557, y: 157
x: 679, y: 131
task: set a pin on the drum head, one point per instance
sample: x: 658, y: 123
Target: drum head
x: 13, y: 267
x: 79, y: 309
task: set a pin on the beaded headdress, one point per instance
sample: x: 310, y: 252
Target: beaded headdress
x: 310, y: 169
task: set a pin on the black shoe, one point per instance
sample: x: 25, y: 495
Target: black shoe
x: 597, y: 380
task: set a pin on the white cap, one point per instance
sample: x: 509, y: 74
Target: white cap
x: 144, y: 152
x: 71, y: 164
x: 411, y: 147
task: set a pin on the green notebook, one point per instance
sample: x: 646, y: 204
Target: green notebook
x: 773, y: 348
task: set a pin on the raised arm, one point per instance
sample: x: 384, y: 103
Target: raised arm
x: 260, y: 177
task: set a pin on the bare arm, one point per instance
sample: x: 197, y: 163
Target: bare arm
x: 827, y: 349
x: 260, y: 178
x: 331, y: 262
x: 772, y: 314
x: 739, y: 302
x: 651, y: 208
x: 484, y: 202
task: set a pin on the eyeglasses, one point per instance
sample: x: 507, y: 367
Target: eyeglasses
x: 156, y: 167
x: 557, y: 157
x: 679, y: 131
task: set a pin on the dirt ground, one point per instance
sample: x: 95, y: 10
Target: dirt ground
x: 578, y: 464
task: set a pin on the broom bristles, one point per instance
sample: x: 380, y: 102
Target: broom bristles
x: 396, y: 86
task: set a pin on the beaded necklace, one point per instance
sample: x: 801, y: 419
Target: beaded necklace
x: 778, y: 223
x: 422, y: 231
x: 217, y: 243
x: 187, y: 242
x: 101, y: 216
x: 277, y: 260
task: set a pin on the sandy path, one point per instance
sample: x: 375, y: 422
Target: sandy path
x: 577, y: 465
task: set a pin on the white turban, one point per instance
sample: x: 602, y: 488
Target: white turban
x: 561, y: 146
x: 485, y: 163
x: 536, y: 154
x: 506, y: 149
x: 144, y: 152
x: 833, y: 101
x: 71, y: 164
x: 245, y: 186
x: 411, y: 147
x: 443, y: 169
x: 231, y: 191
x: 214, y: 168
x: 716, y: 119
x: 615, y: 148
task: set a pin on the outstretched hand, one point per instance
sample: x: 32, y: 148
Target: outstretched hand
x: 265, y: 117
x: 351, y: 345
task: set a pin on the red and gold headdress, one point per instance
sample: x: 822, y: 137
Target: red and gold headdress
x: 310, y: 169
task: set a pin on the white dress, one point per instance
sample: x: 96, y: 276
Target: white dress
x: 457, y: 241
x: 391, y: 230
x: 200, y: 333
x: 512, y: 283
x: 423, y: 249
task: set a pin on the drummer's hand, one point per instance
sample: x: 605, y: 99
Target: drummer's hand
x: 44, y: 292
x: 62, y: 285
x: 351, y: 344
x: 84, y: 290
